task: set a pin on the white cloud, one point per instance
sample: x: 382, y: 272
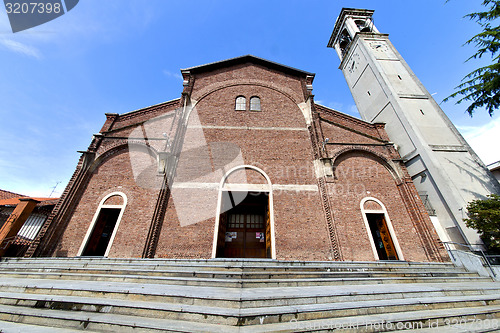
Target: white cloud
x: 484, y: 140
x: 170, y: 74
x: 21, y: 48
x: 353, y: 110
x: 336, y: 106
x: 11, y: 41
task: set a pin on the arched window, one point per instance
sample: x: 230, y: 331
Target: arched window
x: 344, y: 41
x: 241, y: 103
x: 102, y: 230
x: 255, y: 104
x: 363, y: 26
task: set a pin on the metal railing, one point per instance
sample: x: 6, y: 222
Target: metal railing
x: 473, y: 250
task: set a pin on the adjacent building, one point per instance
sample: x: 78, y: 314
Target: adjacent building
x: 21, y: 218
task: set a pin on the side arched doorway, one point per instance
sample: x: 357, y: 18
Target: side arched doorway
x: 104, y: 225
x: 381, y: 233
x: 244, y: 225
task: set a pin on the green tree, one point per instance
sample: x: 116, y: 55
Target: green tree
x: 484, y: 216
x: 482, y: 86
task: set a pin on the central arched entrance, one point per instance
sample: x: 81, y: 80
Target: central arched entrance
x: 244, y: 225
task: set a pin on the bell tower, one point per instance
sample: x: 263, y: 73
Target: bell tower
x: 445, y: 170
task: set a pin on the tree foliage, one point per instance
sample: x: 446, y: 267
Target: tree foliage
x: 484, y: 216
x: 482, y: 86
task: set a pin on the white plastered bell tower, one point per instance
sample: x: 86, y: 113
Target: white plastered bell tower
x: 445, y: 170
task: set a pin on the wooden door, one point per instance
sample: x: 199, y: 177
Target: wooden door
x: 382, y: 237
x: 101, y: 234
x: 244, y: 230
x: 245, y: 236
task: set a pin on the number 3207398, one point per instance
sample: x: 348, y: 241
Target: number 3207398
x: 32, y: 8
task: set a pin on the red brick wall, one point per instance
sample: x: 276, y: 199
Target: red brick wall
x: 366, y: 165
x: 359, y: 175
x: 281, y: 147
x: 113, y: 175
x: 301, y: 231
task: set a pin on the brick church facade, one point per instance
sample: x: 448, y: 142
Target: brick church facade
x: 243, y: 164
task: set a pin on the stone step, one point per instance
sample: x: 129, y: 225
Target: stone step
x: 473, y: 326
x: 389, y: 322
x: 241, y: 317
x: 222, y: 268
x: 237, y: 263
x: 106, y: 322
x: 234, y: 295
x: 455, y: 325
x: 269, y: 274
x: 242, y: 298
x: 12, y: 327
x: 247, y: 283
x: 103, y: 322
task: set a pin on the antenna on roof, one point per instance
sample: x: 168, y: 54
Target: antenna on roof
x: 53, y: 189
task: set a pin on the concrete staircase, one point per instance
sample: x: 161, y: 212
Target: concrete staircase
x: 153, y: 295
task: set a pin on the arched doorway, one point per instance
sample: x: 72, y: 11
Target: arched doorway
x: 244, y: 225
x: 102, y: 230
x: 381, y: 233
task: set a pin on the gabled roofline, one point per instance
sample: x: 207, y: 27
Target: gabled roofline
x: 9, y: 194
x: 245, y: 59
x: 345, y: 115
x: 128, y: 113
x: 494, y: 166
x: 331, y: 112
x: 42, y: 201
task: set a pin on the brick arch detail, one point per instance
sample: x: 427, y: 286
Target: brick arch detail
x: 387, y: 163
x: 408, y: 193
x: 115, y: 147
x: 249, y: 82
x: 232, y: 83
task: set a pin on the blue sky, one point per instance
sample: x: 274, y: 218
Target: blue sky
x: 58, y: 79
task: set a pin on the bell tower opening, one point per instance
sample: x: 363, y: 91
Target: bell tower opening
x: 344, y: 41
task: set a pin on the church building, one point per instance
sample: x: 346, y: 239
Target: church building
x: 243, y: 165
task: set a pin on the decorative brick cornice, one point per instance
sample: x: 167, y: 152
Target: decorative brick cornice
x: 330, y: 115
x: 109, y: 145
x: 332, y: 231
x: 149, y: 109
x: 422, y: 223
